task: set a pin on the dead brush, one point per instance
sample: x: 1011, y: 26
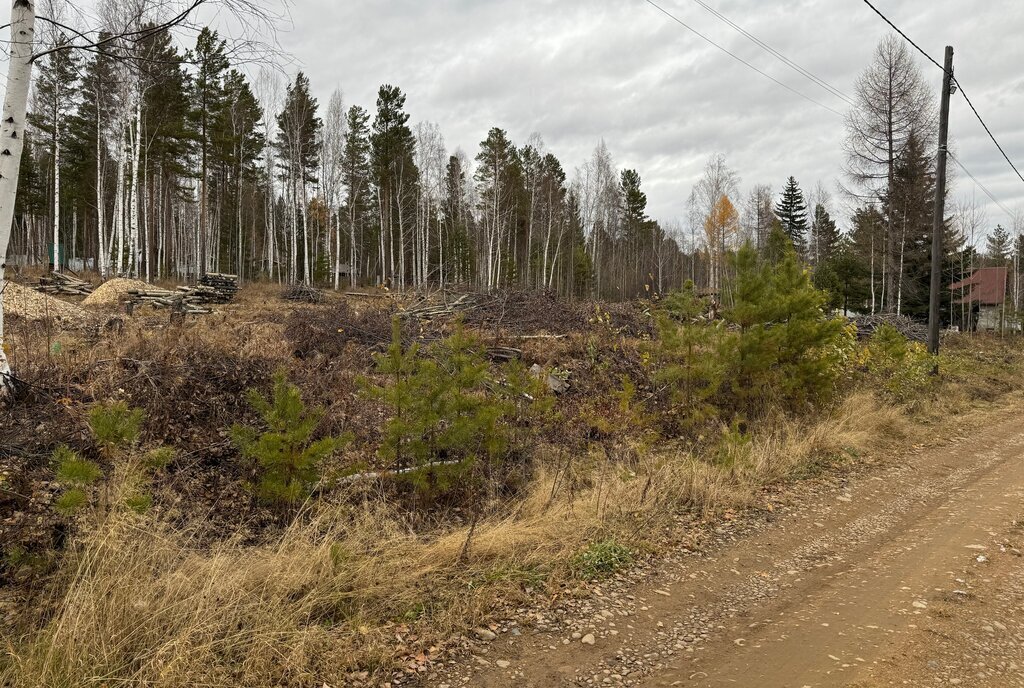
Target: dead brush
x: 142, y: 603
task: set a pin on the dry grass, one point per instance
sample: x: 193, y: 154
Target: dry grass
x: 140, y: 603
x: 143, y: 605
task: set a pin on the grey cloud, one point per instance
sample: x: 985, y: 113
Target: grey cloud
x: 578, y: 71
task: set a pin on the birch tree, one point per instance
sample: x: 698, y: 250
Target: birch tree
x: 12, y: 133
x: 331, y: 173
x: 717, y: 181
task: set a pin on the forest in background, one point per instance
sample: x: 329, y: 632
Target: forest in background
x: 155, y: 162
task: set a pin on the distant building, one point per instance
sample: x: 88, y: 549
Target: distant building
x: 985, y: 294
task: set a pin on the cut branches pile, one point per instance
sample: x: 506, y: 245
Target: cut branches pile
x: 914, y: 330
x: 303, y: 294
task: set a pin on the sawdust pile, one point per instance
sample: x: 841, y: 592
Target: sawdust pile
x: 32, y: 305
x: 113, y: 291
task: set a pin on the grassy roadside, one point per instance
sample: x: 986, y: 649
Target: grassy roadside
x: 348, y: 590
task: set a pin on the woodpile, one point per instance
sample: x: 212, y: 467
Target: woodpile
x: 66, y: 285
x: 303, y: 293
x: 212, y: 288
x: 217, y: 287
x: 914, y: 330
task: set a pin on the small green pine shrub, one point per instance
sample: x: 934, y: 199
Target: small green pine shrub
x: 71, y: 501
x: 448, y: 413
x: 692, y: 360
x: 78, y: 475
x: 139, y: 502
x: 903, y: 368
x: 115, y: 426
x: 788, y: 353
x: 158, y: 458
x: 734, y: 448
x: 287, y: 457
x: 600, y: 560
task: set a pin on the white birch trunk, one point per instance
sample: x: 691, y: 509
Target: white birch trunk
x: 56, y: 191
x: 119, y: 202
x: 12, y: 133
x: 133, y: 191
x: 101, y: 241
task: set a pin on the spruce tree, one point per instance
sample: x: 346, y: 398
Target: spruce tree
x: 909, y: 208
x: 824, y: 235
x: 792, y: 213
x: 998, y: 246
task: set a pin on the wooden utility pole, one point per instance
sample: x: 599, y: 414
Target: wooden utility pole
x: 940, y: 207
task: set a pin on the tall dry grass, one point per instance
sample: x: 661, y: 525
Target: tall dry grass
x: 142, y: 604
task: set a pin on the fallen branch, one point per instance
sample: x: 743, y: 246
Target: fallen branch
x: 374, y: 475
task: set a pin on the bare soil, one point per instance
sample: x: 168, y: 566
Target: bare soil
x: 908, y: 574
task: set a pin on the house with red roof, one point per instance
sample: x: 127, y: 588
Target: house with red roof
x: 985, y: 293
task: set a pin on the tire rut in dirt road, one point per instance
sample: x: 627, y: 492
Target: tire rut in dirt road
x: 819, y: 597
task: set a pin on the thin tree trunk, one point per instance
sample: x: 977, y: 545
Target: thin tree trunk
x: 56, y: 190
x: 12, y: 132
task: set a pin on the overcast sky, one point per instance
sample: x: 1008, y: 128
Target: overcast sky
x: 578, y: 71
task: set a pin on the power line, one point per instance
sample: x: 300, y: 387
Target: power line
x: 905, y: 36
x: 980, y: 185
x: 988, y: 131
x: 955, y: 81
x: 738, y: 58
x: 790, y: 63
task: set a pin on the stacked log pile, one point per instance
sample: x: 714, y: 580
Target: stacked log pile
x: 217, y: 287
x: 212, y: 288
x: 60, y: 283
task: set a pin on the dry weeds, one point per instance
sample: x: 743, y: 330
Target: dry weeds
x: 350, y: 586
x: 144, y: 604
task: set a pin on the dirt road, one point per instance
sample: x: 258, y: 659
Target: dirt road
x: 909, y: 575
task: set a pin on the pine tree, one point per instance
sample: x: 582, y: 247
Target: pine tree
x: 788, y: 351
x: 88, y: 151
x: 55, y: 100
x: 286, y: 454
x: 239, y: 144
x: 692, y: 359
x: 208, y: 101
x: 393, y: 149
x: 792, y: 213
x: 355, y: 175
x: 298, y: 154
x: 498, y: 188
x: 444, y: 418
